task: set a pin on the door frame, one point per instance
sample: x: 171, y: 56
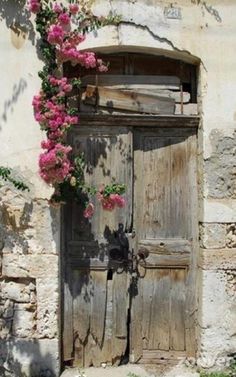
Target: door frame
x: 154, y: 121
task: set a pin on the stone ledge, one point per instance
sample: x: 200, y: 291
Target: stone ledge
x: 34, y: 266
x: 217, y: 259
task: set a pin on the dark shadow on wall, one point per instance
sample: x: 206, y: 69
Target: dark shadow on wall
x: 15, y: 14
x: 27, y: 358
x: 10, y: 103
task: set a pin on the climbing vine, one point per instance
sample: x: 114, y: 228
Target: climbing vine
x: 7, y: 175
x: 62, y: 29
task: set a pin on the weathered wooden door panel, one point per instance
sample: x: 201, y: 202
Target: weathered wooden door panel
x: 97, y: 296
x: 165, y: 160
x: 148, y: 311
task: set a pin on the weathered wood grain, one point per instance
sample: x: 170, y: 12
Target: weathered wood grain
x: 129, y: 100
x: 168, y: 82
x: 148, y: 90
x: 98, y: 305
x: 177, y: 309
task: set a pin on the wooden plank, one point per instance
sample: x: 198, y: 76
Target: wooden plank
x: 179, y: 209
x: 188, y: 109
x: 98, y: 305
x: 108, y: 80
x: 149, y: 90
x: 129, y: 100
x: 136, y: 341
x: 120, y: 300
x: 156, y: 260
x: 174, y: 122
x: 167, y: 355
x: 67, y: 333
x: 148, y: 289
x: 177, y: 309
x: 159, y: 326
x: 81, y: 285
x: 191, y: 283
x: 162, y: 357
x: 120, y: 306
x: 166, y: 246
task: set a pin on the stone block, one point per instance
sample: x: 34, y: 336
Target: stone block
x: 15, y: 291
x: 217, y: 259
x: 34, y: 266
x: 216, y: 317
x: 23, y: 321
x: 8, y: 309
x: 42, y: 234
x: 213, y: 235
x: 47, y: 307
x: 231, y: 235
x: 220, y: 167
x: 30, y: 358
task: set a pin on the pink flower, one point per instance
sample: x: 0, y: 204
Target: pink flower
x: 55, y: 165
x: 102, y: 68
x: 57, y: 8
x: 34, y: 6
x: 89, y: 211
x: 118, y: 199
x: 74, y: 8
x: 67, y: 88
x: 55, y: 34
x: 108, y: 204
x: 47, y: 144
x: 64, y: 18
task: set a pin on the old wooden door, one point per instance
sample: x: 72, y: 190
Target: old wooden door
x: 141, y: 311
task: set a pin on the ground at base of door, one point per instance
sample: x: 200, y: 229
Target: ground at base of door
x: 131, y: 371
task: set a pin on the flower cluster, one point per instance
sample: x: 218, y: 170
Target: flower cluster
x: 60, y: 40
x: 55, y: 165
x: 111, y: 201
x: 52, y: 113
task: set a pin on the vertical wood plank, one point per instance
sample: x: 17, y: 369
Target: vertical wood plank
x: 159, y: 326
x: 120, y: 300
x: 177, y: 309
x: 98, y: 305
x: 148, y: 289
x: 136, y: 340
x: 68, y: 338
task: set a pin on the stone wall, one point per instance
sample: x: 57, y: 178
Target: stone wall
x: 29, y: 281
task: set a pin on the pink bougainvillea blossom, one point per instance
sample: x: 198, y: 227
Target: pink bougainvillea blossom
x: 55, y: 165
x: 118, y: 199
x: 56, y: 34
x: 108, y: 204
x: 51, y: 109
x: 57, y: 8
x: 73, y: 8
x: 34, y: 6
x: 64, y: 19
x: 89, y: 211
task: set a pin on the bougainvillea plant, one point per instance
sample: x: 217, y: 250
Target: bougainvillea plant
x: 62, y: 29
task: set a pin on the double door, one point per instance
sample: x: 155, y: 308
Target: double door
x: 129, y: 274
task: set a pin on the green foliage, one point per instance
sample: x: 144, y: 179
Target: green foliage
x: 6, y: 175
x: 231, y: 372
x: 114, y: 188
x: 131, y: 374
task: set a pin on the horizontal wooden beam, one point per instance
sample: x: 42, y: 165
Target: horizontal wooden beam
x: 137, y: 120
x: 147, y: 90
x: 166, y: 82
